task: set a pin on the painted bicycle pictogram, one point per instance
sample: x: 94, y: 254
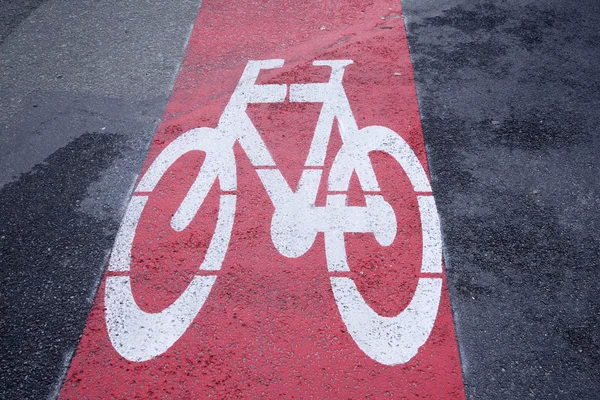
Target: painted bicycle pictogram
x: 140, y: 336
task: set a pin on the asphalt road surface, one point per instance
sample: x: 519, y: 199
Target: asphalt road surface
x: 508, y: 94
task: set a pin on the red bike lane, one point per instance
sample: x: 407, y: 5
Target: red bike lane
x: 270, y: 326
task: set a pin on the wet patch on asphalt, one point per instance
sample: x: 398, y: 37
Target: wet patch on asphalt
x: 509, y: 98
x: 49, y: 251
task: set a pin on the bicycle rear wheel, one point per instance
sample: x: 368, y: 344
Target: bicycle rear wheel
x: 387, y: 340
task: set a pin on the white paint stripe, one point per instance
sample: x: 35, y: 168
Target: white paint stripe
x: 335, y: 252
x: 432, y: 238
x: 235, y: 123
x: 120, y: 257
x: 337, y: 218
x: 195, y: 196
x: 394, y: 340
x: 320, y: 141
x: 213, y: 260
x: 219, y: 163
x: 141, y: 336
x: 396, y: 146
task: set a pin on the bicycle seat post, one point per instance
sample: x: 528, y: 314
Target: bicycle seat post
x: 235, y: 123
x: 335, y: 105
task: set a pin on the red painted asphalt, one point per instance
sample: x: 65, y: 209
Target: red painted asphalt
x: 270, y: 326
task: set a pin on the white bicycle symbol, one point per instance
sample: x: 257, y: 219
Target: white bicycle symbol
x: 139, y: 336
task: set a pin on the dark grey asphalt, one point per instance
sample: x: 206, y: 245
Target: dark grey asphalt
x: 83, y: 85
x: 510, y: 100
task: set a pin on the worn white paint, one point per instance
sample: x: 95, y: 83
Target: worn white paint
x: 219, y: 163
x: 432, y: 237
x: 140, y: 336
x: 120, y: 258
x: 334, y: 100
x: 136, y: 334
x: 236, y: 125
x: 220, y: 241
x: 388, y: 340
x: 296, y: 221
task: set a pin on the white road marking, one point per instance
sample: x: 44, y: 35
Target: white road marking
x: 139, y: 336
x: 394, y: 340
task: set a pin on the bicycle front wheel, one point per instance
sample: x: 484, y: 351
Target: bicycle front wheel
x: 138, y: 335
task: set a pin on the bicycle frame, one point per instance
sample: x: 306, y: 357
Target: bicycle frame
x: 140, y: 336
